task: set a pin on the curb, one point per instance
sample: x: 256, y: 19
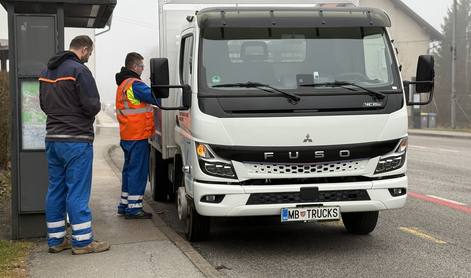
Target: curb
x: 206, y: 268
x: 444, y: 134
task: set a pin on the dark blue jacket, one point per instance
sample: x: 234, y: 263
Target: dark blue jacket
x: 69, y: 97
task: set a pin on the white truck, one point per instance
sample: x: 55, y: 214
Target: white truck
x: 274, y: 108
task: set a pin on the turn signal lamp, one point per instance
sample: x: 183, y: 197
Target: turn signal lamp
x: 213, y: 165
x: 202, y: 151
x: 402, y: 145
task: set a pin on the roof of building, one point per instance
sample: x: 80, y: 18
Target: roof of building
x: 435, y: 35
x: 77, y: 13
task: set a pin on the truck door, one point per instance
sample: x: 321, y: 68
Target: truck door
x: 186, y: 71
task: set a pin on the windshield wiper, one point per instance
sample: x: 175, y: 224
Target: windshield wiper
x: 345, y: 83
x: 292, y: 98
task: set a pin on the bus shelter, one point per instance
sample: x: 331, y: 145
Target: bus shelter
x: 35, y: 34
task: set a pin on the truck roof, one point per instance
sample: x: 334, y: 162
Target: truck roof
x: 292, y: 17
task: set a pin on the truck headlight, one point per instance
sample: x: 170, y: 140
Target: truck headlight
x: 213, y: 165
x: 394, y: 160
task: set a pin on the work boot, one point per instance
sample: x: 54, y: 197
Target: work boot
x: 94, y: 247
x: 66, y: 244
x: 140, y: 215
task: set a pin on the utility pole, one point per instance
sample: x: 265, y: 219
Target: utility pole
x: 453, y: 70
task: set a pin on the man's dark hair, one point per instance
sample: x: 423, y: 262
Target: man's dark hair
x: 131, y: 59
x: 80, y: 42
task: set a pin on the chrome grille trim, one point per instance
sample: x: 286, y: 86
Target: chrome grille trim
x: 306, y: 169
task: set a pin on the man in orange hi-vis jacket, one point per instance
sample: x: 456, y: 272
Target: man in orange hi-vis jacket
x: 136, y: 125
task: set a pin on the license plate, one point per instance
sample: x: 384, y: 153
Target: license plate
x: 310, y: 213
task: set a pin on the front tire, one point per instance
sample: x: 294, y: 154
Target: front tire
x: 196, y: 226
x: 361, y: 223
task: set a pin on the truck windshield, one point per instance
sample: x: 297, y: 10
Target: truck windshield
x: 295, y: 59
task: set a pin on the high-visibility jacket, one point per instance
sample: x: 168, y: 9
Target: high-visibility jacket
x: 136, y: 118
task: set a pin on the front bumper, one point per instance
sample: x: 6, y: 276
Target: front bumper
x: 235, y: 201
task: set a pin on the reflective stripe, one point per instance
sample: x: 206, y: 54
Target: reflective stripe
x: 57, y: 224
x: 126, y: 105
x: 82, y: 237
x: 124, y: 201
x: 135, y: 197
x: 81, y: 226
x: 70, y: 136
x: 138, y: 205
x: 57, y: 235
x: 59, y: 79
x: 128, y: 111
x: 124, y: 194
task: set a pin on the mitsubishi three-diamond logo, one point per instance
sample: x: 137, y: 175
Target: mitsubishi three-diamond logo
x: 308, y: 138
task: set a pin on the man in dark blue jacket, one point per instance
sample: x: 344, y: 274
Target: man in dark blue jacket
x: 69, y: 97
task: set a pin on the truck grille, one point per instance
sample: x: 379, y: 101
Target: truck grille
x: 296, y: 169
x: 295, y: 197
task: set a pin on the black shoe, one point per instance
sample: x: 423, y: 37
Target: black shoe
x: 121, y: 212
x: 140, y: 215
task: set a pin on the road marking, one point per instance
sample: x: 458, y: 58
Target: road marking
x: 441, y: 201
x: 446, y: 200
x: 438, y: 149
x: 422, y: 235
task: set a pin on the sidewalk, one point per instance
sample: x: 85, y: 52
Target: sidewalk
x: 141, y: 248
x: 437, y: 133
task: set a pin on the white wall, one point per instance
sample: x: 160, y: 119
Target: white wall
x: 3, y: 23
x: 410, y: 38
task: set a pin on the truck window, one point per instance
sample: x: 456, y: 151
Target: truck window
x: 186, y: 59
x: 278, y: 56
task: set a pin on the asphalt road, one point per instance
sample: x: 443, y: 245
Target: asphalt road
x: 429, y: 237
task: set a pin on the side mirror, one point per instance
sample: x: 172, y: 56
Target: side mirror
x: 159, y: 79
x: 425, y: 72
x: 424, y: 82
x: 159, y: 76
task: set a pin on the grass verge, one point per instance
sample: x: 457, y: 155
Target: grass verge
x: 12, y: 253
x: 5, y: 185
x: 13, y: 258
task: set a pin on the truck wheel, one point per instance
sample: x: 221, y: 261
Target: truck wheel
x: 196, y: 226
x: 360, y: 222
x: 158, y: 176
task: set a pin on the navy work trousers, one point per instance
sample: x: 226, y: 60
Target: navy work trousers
x: 70, y: 182
x: 134, y: 175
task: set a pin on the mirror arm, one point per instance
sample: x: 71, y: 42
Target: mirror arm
x: 407, y: 83
x: 168, y: 86
x: 407, y: 90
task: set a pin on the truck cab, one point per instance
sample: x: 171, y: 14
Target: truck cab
x: 296, y: 112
